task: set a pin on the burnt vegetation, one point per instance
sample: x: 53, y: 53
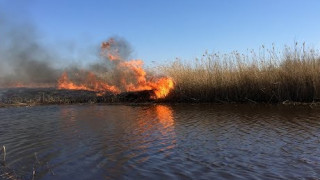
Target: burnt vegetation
x: 37, y: 96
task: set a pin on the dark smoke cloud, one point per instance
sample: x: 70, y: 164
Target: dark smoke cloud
x: 26, y: 60
x: 23, y: 59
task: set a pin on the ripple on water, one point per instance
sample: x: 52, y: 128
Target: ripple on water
x: 162, y: 141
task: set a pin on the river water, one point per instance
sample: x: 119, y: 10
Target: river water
x: 182, y: 141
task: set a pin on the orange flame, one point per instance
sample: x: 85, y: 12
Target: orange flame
x: 92, y: 84
x: 160, y: 86
x: 134, y: 76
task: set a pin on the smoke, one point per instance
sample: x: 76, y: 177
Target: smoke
x: 23, y: 59
x: 116, y: 47
x: 26, y: 62
x: 124, y: 75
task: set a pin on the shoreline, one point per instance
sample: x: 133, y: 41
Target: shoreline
x: 286, y: 103
x: 27, y: 97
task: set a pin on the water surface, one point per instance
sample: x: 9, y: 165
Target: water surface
x: 162, y: 141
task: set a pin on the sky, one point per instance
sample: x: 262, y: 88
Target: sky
x: 160, y: 31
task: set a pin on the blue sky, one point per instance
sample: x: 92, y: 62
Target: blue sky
x: 163, y: 30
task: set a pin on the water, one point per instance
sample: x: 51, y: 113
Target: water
x: 162, y: 141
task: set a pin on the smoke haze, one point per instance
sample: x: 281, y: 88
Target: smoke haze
x: 23, y: 59
x: 26, y: 61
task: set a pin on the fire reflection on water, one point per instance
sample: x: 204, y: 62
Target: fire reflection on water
x: 165, y: 117
x: 160, y: 141
x: 141, y: 121
x: 139, y: 134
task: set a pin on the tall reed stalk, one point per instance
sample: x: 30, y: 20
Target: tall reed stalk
x: 269, y: 76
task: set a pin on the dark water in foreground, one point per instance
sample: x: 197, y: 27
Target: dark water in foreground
x: 163, y: 142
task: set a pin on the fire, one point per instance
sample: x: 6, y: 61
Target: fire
x: 19, y: 85
x: 91, y: 84
x: 132, y: 76
x: 160, y: 86
x: 163, y: 87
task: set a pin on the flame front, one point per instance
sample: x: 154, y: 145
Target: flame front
x: 130, y: 74
x: 91, y: 84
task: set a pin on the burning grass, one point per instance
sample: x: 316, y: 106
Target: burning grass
x: 270, y: 77
x: 128, y: 75
x: 291, y: 75
x: 113, y: 77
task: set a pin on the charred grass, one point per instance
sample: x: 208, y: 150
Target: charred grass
x: 46, y: 96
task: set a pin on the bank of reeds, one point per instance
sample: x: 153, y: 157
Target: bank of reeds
x: 269, y: 76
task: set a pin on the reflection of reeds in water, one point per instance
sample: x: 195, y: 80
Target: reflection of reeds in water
x: 271, y: 76
x: 8, y: 173
x: 4, y: 154
x: 5, y: 171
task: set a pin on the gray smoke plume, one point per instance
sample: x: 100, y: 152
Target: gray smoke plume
x: 115, y: 51
x: 118, y: 46
x: 26, y: 61
x: 23, y: 59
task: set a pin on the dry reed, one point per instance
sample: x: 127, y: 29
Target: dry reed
x: 269, y: 76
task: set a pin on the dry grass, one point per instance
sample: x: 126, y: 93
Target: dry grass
x: 270, y: 76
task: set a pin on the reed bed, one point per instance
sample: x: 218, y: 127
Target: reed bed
x: 269, y: 76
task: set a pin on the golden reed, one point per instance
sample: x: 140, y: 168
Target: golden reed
x: 270, y: 76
